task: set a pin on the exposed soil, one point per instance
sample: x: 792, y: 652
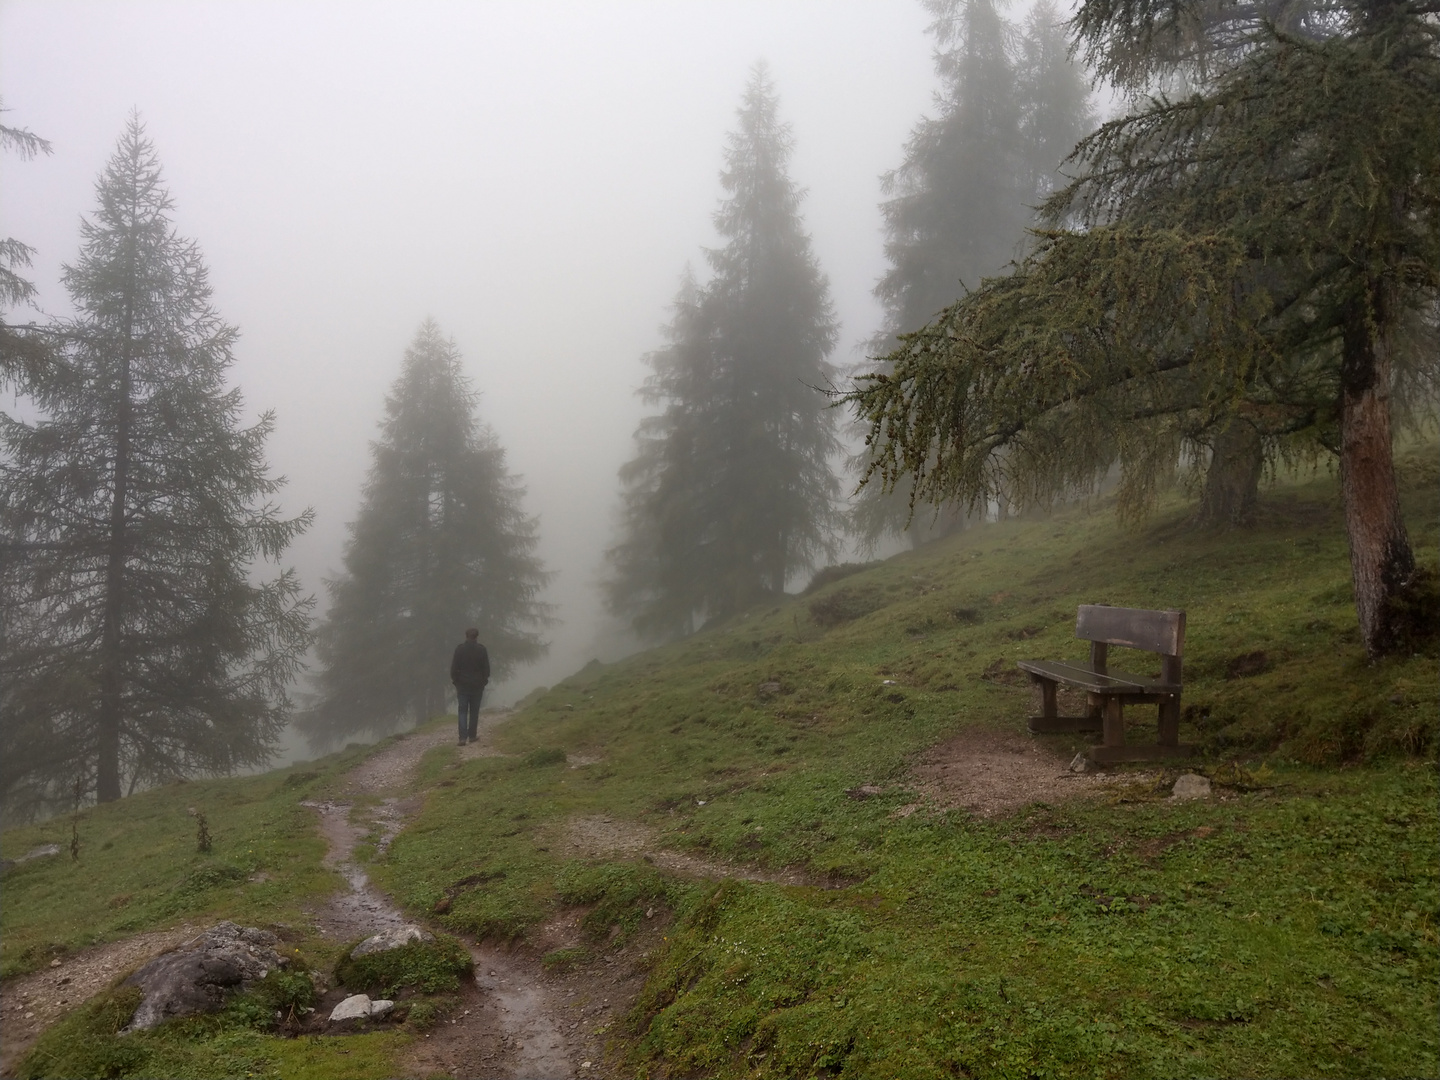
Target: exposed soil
x: 991, y: 772
x: 30, y: 1003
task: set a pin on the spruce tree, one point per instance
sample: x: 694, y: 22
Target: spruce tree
x: 1011, y: 107
x: 23, y: 349
x: 731, y: 491
x: 959, y: 202
x: 441, y: 543
x: 136, y: 646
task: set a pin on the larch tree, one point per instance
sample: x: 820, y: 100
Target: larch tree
x: 732, y: 492
x: 1261, y: 246
x: 441, y: 543
x: 136, y: 645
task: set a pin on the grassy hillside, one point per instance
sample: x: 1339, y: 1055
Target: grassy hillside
x: 1286, y: 927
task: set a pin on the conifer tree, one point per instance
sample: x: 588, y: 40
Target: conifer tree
x: 1261, y: 246
x: 23, y: 349
x: 441, y: 543
x: 136, y: 647
x: 959, y: 203
x: 731, y: 491
x: 1011, y: 107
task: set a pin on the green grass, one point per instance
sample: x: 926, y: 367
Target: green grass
x: 88, y: 1044
x: 1278, y: 932
x: 139, y: 867
x: 1286, y: 928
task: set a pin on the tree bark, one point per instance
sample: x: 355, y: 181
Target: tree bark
x: 1382, y: 565
x: 107, y: 771
x: 111, y: 673
x: 1232, y: 482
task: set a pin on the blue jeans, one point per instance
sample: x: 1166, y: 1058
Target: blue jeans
x: 468, y: 705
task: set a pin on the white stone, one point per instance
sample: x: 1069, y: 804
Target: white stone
x: 380, y: 1008
x: 354, y: 1007
x: 390, y: 939
x: 1191, y: 786
x: 1082, y: 764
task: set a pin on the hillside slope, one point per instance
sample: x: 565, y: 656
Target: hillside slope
x: 1286, y: 927
x: 825, y: 837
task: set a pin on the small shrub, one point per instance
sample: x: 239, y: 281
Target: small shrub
x: 422, y: 1015
x: 289, y: 992
x: 428, y: 966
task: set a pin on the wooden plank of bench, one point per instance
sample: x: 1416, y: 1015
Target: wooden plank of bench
x: 1135, y: 628
x: 1120, y: 682
x: 1046, y: 725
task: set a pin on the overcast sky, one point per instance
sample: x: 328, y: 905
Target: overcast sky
x: 535, y: 176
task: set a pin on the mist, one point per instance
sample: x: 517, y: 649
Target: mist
x: 533, y: 176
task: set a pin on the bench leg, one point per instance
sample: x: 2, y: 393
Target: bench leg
x: 1170, y: 722
x: 1048, y: 709
x: 1114, y: 722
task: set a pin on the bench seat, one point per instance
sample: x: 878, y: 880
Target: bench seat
x: 1106, y: 682
x: 1107, y: 691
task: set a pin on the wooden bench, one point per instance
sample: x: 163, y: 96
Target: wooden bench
x: 1107, y: 691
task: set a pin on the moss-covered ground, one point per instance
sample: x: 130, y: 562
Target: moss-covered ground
x: 1286, y: 927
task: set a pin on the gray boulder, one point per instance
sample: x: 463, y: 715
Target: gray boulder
x: 1191, y: 786
x: 360, y: 1007
x: 197, y: 976
x: 390, y: 939
x: 354, y: 1007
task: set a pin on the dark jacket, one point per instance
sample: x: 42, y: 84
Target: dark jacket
x: 470, y: 667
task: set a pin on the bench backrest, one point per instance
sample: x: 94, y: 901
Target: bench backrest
x: 1160, y: 632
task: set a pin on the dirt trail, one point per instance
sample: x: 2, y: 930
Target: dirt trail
x: 507, y: 1025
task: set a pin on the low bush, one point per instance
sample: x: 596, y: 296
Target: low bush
x: 428, y: 966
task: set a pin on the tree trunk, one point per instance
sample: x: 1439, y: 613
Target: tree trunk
x: 107, y: 771
x: 1382, y: 565
x: 111, y: 676
x: 1232, y: 482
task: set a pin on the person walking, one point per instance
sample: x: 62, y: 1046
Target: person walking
x: 469, y: 671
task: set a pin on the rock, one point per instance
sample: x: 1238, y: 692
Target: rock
x: 380, y: 1008
x: 41, y: 852
x: 768, y: 689
x: 390, y: 939
x: 354, y: 1007
x: 196, y: 977
x: 864, y: 791
x: 1083, y: 764
x: 1191, y: 786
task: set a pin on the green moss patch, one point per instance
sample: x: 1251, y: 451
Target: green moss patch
x: 430, y: 967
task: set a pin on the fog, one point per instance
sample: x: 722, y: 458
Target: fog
x: 534, y: 176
